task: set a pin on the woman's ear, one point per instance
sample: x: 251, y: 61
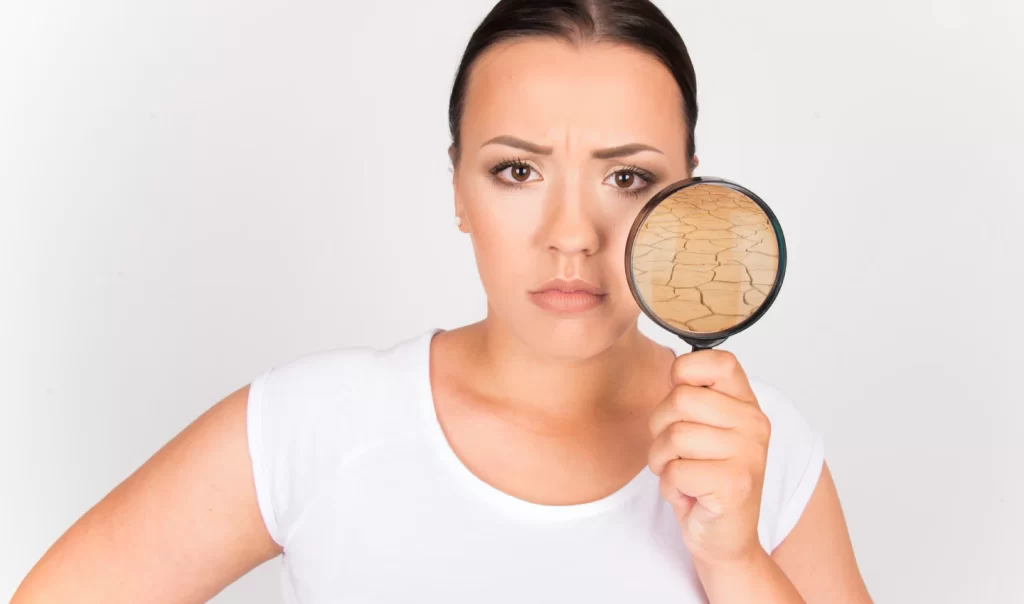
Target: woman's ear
x: 460, y: 221
x: 460, y: 215
x: 696, y: 161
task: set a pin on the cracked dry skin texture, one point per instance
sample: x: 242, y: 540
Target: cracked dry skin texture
x: 705, y: 258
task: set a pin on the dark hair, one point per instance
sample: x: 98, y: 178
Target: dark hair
x: 637, y: 23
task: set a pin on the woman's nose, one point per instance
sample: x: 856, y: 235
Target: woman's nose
x: 570, y: 228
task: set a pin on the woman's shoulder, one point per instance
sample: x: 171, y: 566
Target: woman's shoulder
x: 337, y: 389
x: 339, y: 361
x: 324, y: 377
x: 795, y: 460
x: 305, y: 416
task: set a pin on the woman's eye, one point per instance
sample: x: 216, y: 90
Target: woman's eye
x: 627, y: 181
x: 518, y: 173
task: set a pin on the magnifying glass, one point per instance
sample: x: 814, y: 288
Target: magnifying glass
x: 705, y: 259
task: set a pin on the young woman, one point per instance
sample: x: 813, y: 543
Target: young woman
x: 549, y: 453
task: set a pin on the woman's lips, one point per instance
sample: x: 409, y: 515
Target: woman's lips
x: 559, y: 301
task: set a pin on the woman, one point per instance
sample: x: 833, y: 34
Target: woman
x: 550, y: 452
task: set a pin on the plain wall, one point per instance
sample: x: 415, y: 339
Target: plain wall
x: 193, y: 191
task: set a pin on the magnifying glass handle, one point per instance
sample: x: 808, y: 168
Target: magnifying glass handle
x: 696, y: 345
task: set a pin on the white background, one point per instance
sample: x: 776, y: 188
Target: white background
x: 192, y: 191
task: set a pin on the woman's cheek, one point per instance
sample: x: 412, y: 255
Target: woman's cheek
x: 617, y: 239
x: 502, y: 252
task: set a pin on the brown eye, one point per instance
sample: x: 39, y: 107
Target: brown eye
x: 630, y: 181
x: 514, y: 173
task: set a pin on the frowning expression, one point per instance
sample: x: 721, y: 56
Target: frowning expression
x: 560, y: 147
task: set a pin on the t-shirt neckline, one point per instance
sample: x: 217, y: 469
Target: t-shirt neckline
x: 487, y: 493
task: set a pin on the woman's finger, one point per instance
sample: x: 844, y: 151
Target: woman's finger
x: 692, y: 441
x: 718, y: 485
x: 700, y: 405
x: 716, y: 369
x: 696, y: 478
x: 682, y: 504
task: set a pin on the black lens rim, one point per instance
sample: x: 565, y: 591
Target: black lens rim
x: 714, y: 338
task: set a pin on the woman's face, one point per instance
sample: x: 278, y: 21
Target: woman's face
x: 561, y: 146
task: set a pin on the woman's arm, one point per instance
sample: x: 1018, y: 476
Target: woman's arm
x: 817, y: 555
x: 813, y: 565
x: 179, y: 529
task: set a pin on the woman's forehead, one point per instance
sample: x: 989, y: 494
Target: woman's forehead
x: 543, y: 88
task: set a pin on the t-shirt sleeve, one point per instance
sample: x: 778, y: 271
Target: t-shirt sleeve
x: 261, y: 458
x: 796, y: 457
x: 296, y: 435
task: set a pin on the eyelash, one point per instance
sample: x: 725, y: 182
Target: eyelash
x: 516, y: 162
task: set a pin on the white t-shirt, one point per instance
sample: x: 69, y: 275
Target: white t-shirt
x: 357, y: 482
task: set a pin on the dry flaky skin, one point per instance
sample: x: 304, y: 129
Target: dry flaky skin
x: 705, y: 258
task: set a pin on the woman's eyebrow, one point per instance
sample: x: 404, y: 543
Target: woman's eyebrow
x: 518, y: 143
x: 609, y: 153
x: 623, y: 151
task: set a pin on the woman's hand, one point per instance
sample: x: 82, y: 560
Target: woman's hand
x: 710, y: 449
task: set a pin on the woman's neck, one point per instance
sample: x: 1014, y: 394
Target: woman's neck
x: 500, y: 367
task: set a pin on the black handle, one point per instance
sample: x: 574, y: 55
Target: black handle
x: 702, y: 344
